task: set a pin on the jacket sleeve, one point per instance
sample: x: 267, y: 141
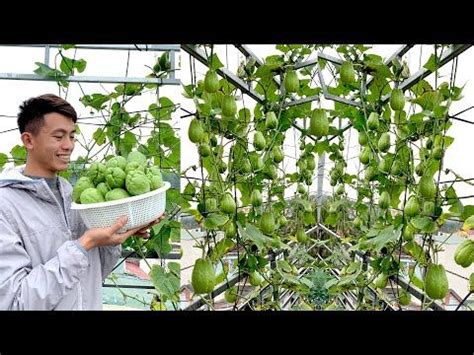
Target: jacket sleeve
x: 109, y: 255
x: 24, y: 287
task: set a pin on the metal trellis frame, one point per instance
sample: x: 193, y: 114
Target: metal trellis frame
x: 102, y: 79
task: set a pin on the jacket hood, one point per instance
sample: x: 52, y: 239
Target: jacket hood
x: 13, y: 177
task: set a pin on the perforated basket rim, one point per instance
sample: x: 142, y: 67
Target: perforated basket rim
x: 123, y: 201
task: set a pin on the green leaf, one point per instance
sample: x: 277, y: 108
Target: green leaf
x: 44, y: 70
x: 95, y: 101
x: 321, y: 147
x: 18, y: 154
x: 353, y: 267
x: 204, y: 109
x: 362, y: 48
x: 222, y: 247
x: 348, y: 279
x: 189, y: 191
x: 215, y: 63
x: 384, y: 237
x: 456, y: 93
x: 172, y: 195
x: 160, y: 242
x: 215, y: 220
x: 99, y: 136
x: 263, y: 72
x: 282, y: 48
x: 47, y: 72
x: 421, y: 87
x: 166, y: 108
x: 253, y: 234
x: 467, y: 212
x: 395, y: 194
x: 432, y: 168
x: 68, y: 65
x: 188, y: 91
x: 456, y: 208
x: 274, y: 62
x: 167, y: 284
x: 309, y: 218
x: 451, y: 196
x: 283, y: 265
x: 331, y: 219
x: 127, y: 143
x: 415, y: 250
x: 431, y: 63
x: 3, y: 159
x: 448, y: 141
x: 428, y: 100
x: 425, y: 224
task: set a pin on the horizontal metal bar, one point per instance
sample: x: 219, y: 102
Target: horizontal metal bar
x: 342, y: 100
x: 138, y: 47
x: 231, y: 77
x: 92, y: 79
x: 145, y: 287
x: 301, y: 101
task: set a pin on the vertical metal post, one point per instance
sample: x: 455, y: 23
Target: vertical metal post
x: 46, y: 55
x: 173, y: 64
x: 319, y: 194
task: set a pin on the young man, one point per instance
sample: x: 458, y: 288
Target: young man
x: 49, y: 260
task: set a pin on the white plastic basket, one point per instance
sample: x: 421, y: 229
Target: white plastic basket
x: 141, y: 210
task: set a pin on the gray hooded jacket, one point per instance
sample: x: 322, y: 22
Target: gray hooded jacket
x: 42, y: 264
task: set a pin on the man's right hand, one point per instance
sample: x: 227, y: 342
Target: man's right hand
x: 98, y: 237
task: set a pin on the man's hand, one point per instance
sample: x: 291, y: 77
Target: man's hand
x: 97, y: 237
x: 143, y: 231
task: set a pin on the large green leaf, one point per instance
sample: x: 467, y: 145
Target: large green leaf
x: 161, y: 241
x: 127, y: 143
x: 252, y: 233
x: 384, y: 237
x: 3, y: 159
x: 166, y: 283
x: 425, y: 224
x: 68, y: 65
x: 95, y: 101
x: 215, y: 63
x: 221, y: 248
x: 47, y: 72
x: 164, y: 110
x: 215, y: 220
x: 431, y: 63
x: 18, y: 154
x: 99, y: 136
x: 467, y: 212
x: 172, y: 196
